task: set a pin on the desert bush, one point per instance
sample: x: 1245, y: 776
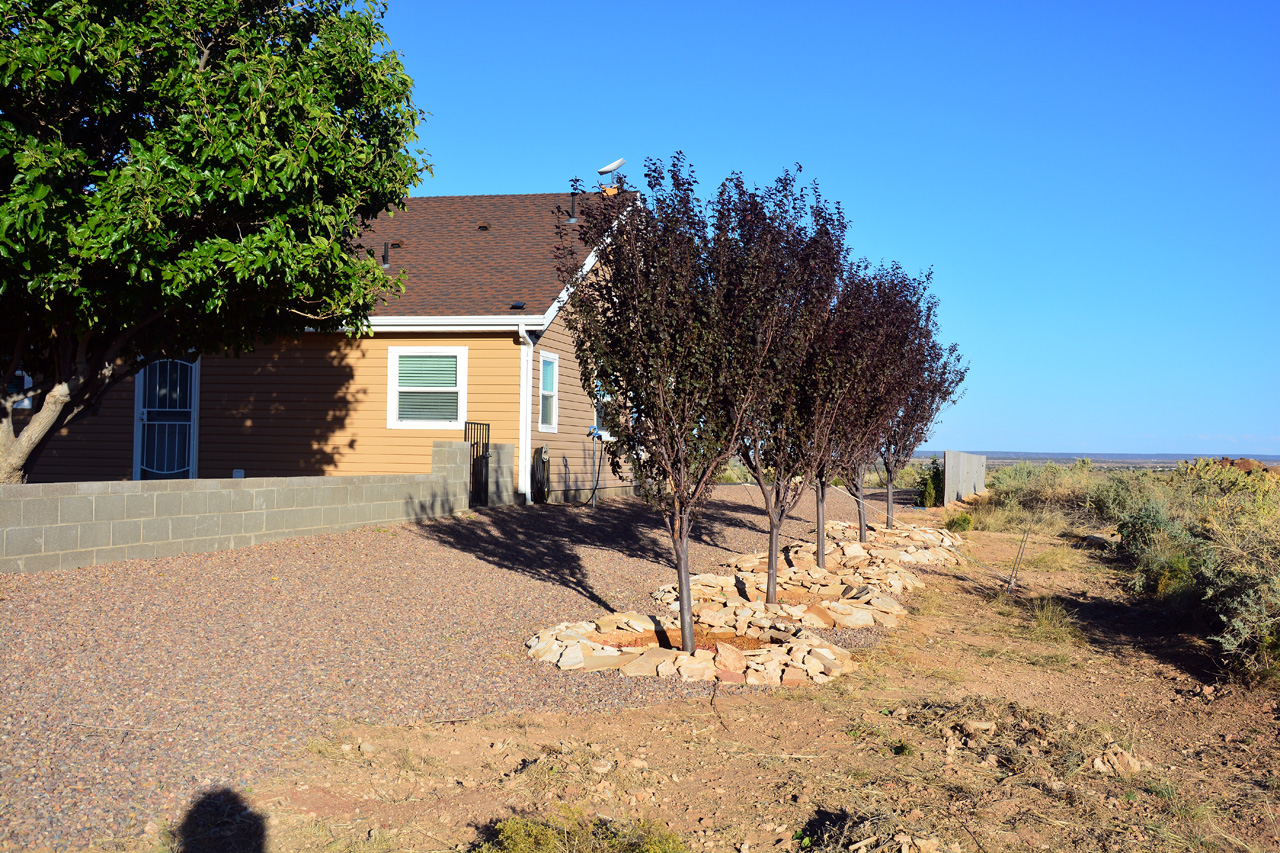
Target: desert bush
x: 574, y: 832
x: 931, y: 483
x: 960, y: 522
x: 1203, y: 538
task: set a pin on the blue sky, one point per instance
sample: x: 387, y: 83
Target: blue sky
x: 1096, y: 186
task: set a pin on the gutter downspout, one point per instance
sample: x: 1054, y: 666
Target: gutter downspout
x: 524, y: 484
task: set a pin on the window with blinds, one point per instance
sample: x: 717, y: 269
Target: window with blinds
x: 18, y: 383
x: 427, y: 387
x: 549, y: 393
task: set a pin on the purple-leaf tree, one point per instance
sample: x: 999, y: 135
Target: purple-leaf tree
x: 931, y: 375
x: 788, y: 246
x: 656, y: 342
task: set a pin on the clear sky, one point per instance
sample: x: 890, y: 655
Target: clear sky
x: 1096, y: 186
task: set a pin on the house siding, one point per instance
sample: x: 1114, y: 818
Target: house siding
x: 316, y: 406
x: 570, y: 446
x: 99, y: 446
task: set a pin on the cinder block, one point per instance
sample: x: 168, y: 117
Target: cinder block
x: 172, y: 548
x: 62, y: 537
x: 181, y: 485
x: 285, y: 498
x: 41, y: 562
x: 93, y: 488
x: 168, y: 504
x: 363, y: 514
x: 332, y: 515
x: 219, y: 501
x: 242, y: 541
x: 195, y: 503
x: 264, y: 498
x: 275, y: 520
x: 254, y: 522
x: 141, y: 551
x: 182, y: 527
x: 208, y: 525
x: 108, y: 555
x: 125, y: 487
x: 232, y: 524
x: 126, y: 532
x: 21, y: 541
x: 75, y: 559
x: 39, y: 511
x: 95, y: 534
x: 140, y: 506
x: 348, y: 516
x: 242, y: 500
x: 10, y: 512
x: 108, y: 508
x: 74, y: 509
x: 10, y: 565
x: 155, y: 530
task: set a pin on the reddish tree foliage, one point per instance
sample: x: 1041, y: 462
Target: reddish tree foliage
x: 932, y: 374
x: 668, y: 336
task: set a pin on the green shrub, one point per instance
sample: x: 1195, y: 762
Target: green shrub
x: 1202, y: 538
x: 931, y: 483
x: 573, y: 832
x: 960, y: 522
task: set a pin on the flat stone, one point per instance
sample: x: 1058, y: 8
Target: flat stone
x: 819, y: 616
x: 647, y: 663
x: 571, y: 657
x: 888, y: 620
x: 731, y: 677
x: 856, y: 618
x: 729, y: 658
x: 794, y: 675
x: 596, y: 662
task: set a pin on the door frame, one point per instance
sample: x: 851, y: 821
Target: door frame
x: 195, y: 417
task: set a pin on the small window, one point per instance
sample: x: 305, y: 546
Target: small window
x: 600, y: 427
x: 549, y: 393
x: 17, y: 384
x: 426, y: 387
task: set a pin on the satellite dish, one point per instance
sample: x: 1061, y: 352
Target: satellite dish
x: 614, y: 166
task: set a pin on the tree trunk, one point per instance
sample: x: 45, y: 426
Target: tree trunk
x: 771, y: 594
x: 680, y: 542
x: 820, y: 489
x: 888, y: 502
x: 16, y: 449
x: 859, y: 495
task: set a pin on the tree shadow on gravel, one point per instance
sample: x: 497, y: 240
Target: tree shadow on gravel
x: 221, y: 822
x: 545, y: 542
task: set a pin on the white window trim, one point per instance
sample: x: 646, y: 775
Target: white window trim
x: 605, y: 435
x: 393, y: 382
x: 543, y: 358
x: 26, y: 385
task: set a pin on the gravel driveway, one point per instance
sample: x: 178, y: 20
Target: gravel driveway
x: 126, y: 688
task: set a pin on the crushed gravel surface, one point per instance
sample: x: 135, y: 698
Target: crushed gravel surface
x: 127, y: 688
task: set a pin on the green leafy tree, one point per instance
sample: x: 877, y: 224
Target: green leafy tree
x: 180, y: 178
x: 662, y: 336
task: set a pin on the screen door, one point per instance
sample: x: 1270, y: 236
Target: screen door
x: 166, y: 408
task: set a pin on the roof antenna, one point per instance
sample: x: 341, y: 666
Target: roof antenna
x: 612, y: 187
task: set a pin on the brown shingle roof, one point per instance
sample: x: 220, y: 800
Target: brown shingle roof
x: 453, y: 268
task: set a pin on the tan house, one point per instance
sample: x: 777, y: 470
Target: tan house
x: 477, y: 337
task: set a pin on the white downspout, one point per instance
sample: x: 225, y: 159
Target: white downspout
x: 526, y: 415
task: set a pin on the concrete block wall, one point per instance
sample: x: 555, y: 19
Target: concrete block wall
x: 963, y: 474
x: 502, y: 474
x: 70, y: 525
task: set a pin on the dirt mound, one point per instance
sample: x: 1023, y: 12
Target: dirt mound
x: 1009, y: 737
x: 1249, y: 466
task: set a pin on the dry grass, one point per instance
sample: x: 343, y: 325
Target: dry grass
x: 1051, y: 621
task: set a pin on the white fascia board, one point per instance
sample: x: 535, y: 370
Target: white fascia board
x: 475, y: 323
x: 554, y: 311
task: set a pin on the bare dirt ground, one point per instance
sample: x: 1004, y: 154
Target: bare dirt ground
x: 976, y: 722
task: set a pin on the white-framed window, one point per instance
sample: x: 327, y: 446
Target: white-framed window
x: 426, y: 387
x: 549, y: 392
x: 19, y: 383
x: 601, y: 397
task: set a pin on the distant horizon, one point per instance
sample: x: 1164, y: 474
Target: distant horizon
x: 1075, y: 454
